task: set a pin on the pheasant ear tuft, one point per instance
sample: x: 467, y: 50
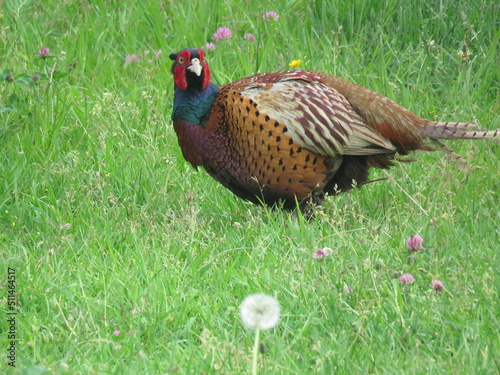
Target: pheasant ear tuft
x: 173, y: 56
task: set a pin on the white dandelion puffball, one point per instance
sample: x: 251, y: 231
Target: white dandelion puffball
x: 260, y: 311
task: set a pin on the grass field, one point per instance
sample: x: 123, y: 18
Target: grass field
x: 128, y: 261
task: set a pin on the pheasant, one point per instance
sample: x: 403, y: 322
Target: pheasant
x: 291, y: 137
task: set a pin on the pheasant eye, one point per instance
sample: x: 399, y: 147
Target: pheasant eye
x: 180, y: 60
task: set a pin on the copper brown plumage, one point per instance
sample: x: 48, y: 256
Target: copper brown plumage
x: 288, y: 137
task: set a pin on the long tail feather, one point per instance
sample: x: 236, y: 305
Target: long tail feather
x: 454, y: 157
x: 456, y: 130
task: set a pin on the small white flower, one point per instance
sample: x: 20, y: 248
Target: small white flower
x: 260, y: 311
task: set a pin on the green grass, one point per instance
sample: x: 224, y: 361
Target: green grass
x: 109, y: 229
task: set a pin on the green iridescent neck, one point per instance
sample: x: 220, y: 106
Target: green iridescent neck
x: 192, y: 105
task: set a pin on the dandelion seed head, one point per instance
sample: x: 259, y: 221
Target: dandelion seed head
x: 260, y: 311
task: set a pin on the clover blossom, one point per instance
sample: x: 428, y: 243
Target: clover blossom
x: 271, y: 15
x: 222, y: 33
x: 249, y: 36
x: 209, y: 46
x: 44, y: 52
x: 132, y: 59
x: 414, y: 243
x: 321, y: 253
x: 406, y: 278
x: 437, y: 285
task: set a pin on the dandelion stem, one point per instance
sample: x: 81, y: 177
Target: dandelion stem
x: 255, y: 352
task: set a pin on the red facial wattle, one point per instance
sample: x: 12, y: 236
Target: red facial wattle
x: 180, y: 69
x: 183, y: 59
x: 206, y: 70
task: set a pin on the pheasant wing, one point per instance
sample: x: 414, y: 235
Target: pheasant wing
x: 317, y: 116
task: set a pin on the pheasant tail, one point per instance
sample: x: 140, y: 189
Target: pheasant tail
x: 456, y: 130
x: 398, y: 124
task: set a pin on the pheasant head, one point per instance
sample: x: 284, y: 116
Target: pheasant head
x: 190, y: 69
x: 194, y: 93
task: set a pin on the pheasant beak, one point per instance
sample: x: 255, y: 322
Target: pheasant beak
x: 195, y: 66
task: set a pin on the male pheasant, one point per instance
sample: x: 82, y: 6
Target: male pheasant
x: 292, y: 137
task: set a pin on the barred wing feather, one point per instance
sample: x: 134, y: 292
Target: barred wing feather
x: 318, y: 117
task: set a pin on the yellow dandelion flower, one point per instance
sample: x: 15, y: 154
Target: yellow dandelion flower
x: 294, y: 64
